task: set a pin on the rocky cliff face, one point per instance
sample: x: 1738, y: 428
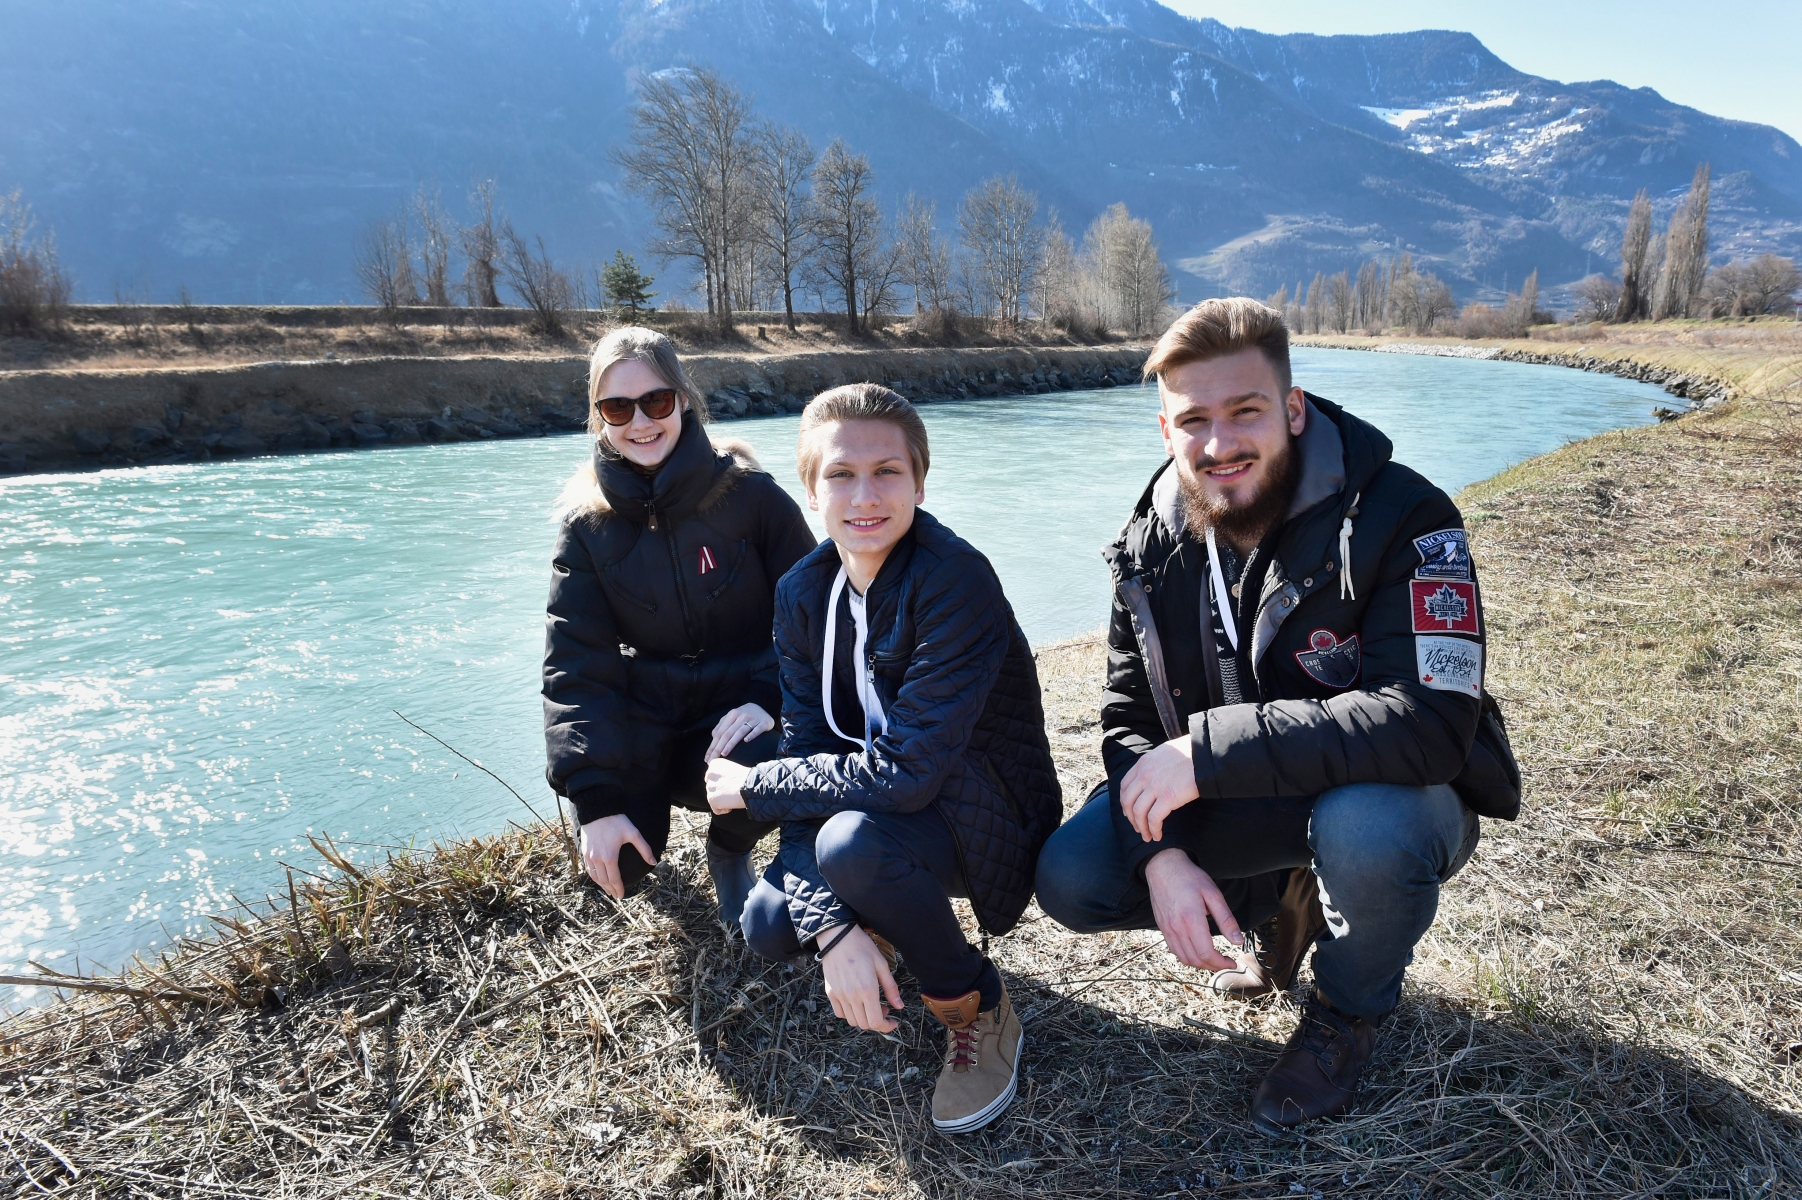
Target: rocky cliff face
x: 240, y: 148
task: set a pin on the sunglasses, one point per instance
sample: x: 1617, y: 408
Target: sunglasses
x: 657, y: 404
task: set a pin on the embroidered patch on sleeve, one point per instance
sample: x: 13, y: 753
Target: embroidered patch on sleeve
x: 1444, y: 607
x: 1450, y: 664
x: 1443, y: 555
x: 1330, y: 661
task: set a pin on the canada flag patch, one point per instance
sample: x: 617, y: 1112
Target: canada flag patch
x: 708, y: 562
x: 1330, y: 661
x: 1444, y: 606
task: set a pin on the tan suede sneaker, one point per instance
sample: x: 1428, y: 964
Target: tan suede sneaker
x: 982, y: 1061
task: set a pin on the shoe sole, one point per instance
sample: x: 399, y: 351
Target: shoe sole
x: 993, y: 1108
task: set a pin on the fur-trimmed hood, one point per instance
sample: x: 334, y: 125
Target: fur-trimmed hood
x: 582, y: 498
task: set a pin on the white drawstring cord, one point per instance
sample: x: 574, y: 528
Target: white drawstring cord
x: 1221, y: 597
x: 838, y: 588
x: 1346, y: 590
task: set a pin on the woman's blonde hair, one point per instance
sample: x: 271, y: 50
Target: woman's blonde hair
x: 635, y: 343
x: 861, y: 402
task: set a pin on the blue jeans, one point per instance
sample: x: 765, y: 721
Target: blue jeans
x: 1380, y: 851
x: 897, y: 872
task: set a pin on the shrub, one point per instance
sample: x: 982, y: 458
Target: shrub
x: 34, y: 290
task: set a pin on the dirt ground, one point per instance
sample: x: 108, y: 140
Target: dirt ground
x: 1610, y: 1003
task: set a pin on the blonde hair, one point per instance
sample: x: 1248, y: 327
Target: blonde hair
x: 635, y: 343
x: 1217, y: 328
x: 861, y: 402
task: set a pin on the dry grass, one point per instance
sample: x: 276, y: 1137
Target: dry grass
x: 112, y: 338
x: 1609, y: 1005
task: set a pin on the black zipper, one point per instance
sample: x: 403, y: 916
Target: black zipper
x: 675, y: 562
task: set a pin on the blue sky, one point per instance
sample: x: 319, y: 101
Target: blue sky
x: 1733, y: 60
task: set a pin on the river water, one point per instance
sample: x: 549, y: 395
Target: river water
x: 204, y: 664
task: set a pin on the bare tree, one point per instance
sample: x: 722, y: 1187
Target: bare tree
x: 1058, y: 285
x: 691, y: 156
x: 1766, y: 284
x: 997, y: 231
x: 849, y: 226
x: 1635, y: 296
x: 434, y: 247
x: 33, y: 286
x: 1339, y: 300
x: 784, y: 220
x: 546, y: 290
x: 880, y: 276
x: 925, y: 259
x: 384, y: 264
x: 1685, y: 252
x: 1369, y: 308
x: 481, y: 249
x: 1598, y: 298
x: 1436, y: 302
x: 1128, y: 279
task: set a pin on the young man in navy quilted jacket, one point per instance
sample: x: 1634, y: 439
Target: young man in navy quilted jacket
x: 915, y: 766
x: 1294, y: 721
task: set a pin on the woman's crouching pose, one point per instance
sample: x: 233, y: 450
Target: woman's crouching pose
x: 657, y: 635
x: 915, y: 765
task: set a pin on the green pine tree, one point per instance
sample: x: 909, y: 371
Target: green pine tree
x: 625, y: 285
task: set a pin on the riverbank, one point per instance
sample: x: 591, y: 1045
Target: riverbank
x: 1610, y: 1002
x: 63, y: 419
x: 1704, y: 363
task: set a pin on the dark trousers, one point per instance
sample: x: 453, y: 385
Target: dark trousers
x: 1381, y: 852
x: 897, y: 872
x: 683, y: 783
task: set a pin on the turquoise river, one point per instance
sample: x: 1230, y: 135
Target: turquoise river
x: 202, y: 665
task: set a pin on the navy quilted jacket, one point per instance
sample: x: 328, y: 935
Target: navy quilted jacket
x: 966, y: 730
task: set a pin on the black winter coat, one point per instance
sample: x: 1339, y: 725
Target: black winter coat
x: 966, y: 729
x: 1380, y: 681
x: 662, y: 594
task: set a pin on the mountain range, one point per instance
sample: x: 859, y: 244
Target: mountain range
x: 238, y: 149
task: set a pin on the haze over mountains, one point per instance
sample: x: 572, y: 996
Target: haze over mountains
x: 239, y: 148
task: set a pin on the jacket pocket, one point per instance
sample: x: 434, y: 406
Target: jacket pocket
x: 615, y: 585
x: 738, y: 559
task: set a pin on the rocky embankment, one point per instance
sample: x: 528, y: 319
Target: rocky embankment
x: 53, y: 420
x: 1700, y: 389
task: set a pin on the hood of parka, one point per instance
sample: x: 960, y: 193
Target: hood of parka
x: 676, y: 487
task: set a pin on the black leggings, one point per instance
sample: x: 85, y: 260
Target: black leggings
x: 684, y: 784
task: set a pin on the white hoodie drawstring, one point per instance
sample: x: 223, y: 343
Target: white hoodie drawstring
x: 838, y: 589
x: 1346, y: 590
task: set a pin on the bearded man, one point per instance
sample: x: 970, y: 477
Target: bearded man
x: 1295, y: 730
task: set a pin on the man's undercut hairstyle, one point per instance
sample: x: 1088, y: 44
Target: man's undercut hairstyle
x: 635, y: 343
x: 1217, y: 328
x: 861, y: 402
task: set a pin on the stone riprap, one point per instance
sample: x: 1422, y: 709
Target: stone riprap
x: 54, y: 420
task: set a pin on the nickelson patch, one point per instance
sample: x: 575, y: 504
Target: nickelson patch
x: 1450, y: 664
x: 1444, y: 554
x: 1331, y: 661
x: 1444, y: 606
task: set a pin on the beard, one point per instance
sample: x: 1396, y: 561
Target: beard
x: 1244, y: 522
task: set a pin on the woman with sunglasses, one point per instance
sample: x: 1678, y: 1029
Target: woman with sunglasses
x: 658, y: 655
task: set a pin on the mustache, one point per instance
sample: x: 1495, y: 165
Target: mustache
x: 1207, y: 461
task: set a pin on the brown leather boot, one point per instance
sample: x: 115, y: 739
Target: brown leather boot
x: 982, y: 1061
x: 889, y: 954
x: 1275, y: 949
x: 1317, y: 1073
